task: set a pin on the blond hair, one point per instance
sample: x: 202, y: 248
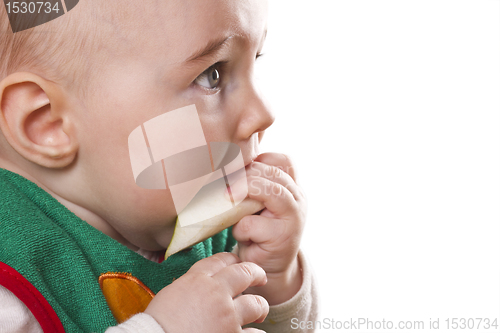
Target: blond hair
x: 57, y: 50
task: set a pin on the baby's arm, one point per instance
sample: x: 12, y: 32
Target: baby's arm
x: 140, y: 323
x: 282, y: 318
x: 15, y: 317
x: 205, y: 299
x: 301, y: 308
x: 272, y: 240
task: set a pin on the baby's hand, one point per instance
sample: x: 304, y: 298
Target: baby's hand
x: 204, y: 299
x: 272, y: 239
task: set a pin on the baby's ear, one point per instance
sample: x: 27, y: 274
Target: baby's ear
x: 36, y: 121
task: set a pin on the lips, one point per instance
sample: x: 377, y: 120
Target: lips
x: 250, y: 161
x: 250, y: 150
x: 171, y: 151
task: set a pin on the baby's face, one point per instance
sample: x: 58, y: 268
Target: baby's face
x: 176, y: 53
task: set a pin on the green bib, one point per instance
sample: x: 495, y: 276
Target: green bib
x: 63, y: 256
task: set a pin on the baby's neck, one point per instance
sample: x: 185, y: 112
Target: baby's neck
x: 155, y: 256
x: 94, y: 220
x: 84, y: 214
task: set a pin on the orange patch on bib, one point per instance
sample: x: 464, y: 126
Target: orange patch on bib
x: 125, y: 294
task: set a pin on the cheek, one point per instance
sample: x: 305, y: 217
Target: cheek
x: 151, y: 205
x: 106, y: 161
x: 123, y: 200
x: 217, y: 121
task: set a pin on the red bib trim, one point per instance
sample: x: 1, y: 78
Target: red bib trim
x: 32, y: 298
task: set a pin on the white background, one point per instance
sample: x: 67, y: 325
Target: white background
x: 391, y: 111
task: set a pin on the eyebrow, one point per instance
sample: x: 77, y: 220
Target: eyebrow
x: 211, y: 48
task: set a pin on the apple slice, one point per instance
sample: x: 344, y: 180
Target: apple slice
x: 192, y: 234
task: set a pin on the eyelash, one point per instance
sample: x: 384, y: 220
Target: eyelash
x: 219, y: 66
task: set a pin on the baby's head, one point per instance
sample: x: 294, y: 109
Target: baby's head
x: 73, y: 89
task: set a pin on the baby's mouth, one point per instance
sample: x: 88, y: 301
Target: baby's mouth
x: 192, y: 168
x: 250, y: 161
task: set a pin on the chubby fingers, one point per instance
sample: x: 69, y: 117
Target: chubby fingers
x: 239, y: 277
x: 251, y: 308
x: 277, y: 175
x: 214, y: 264
x: 260, y: 229
x: 228, y: 270
x: 281, y: 161
x: 276, y: 197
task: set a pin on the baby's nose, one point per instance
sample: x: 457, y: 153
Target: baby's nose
x: 255, y: 114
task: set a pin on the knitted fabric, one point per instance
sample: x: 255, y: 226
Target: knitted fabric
x: 63, y: 256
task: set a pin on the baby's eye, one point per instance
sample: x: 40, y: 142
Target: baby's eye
x: 209, y: 79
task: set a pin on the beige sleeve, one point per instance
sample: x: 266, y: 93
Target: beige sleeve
x: 141, y: 322
x: 286, y: 317
x: 300, y: 308
x: 15, y: 317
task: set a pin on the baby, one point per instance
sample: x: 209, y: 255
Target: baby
x: 81, y: 250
